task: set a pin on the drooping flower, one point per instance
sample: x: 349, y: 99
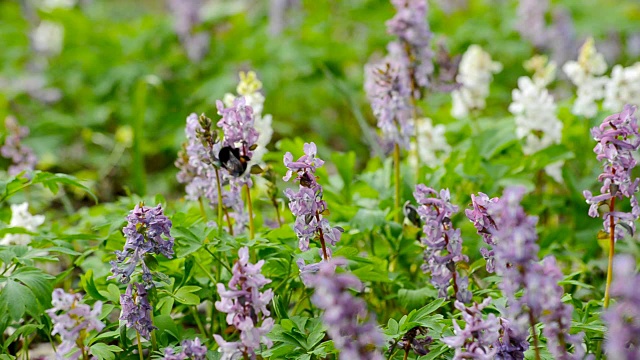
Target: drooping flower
x: 586, y: 75
x: 622, y: 340
x: 21, y: 156
x: 443, y: 242
x: 411, y: 52
x: 618, y: 139
x: 73, y: 321
x: 415, y: 339
x: 356, y: 340
x: 21, y: 218
x: 475, y: 74
x: 484, y: 224
x: 191, y: 349
x: 623, y: 87
x: 307, y: 205
x: 144, y: 233
x: 187, y: 17
x: 477, y: 339
x: 136, y: 310
x: 389, y: 99
x: 535, y: 115
x: 246, y: 308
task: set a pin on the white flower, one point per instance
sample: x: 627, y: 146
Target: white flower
x: 544, y: 71
x: 49, y: 5
x: 623, y: 87
x: 536, y: 120
x: 20, y: 217
x: 585, y: 74
x: 475, y: 74
x: 48, y: 37
x: 433, y: 146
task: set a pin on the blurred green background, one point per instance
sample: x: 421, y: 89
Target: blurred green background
x: 122, y: 63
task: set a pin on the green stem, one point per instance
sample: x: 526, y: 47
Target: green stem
x: 396, y: 172
x: 202, y: 211
x: 139, y: 345
x: 535, y: 335
x: 213, y: 281
x: 219, y: 201
x: 612, y: 245
x: 196, y: 316
x: 250, y: 209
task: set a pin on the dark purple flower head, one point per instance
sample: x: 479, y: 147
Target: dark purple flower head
x: 510, y: 345
x: 22, y: 156
x: 356, y: 340
x: 618, y: 139
x: 443, y: 242
x: 412, y: 51
x: 246, y: 308
x: 73, y: 321
x: 144, y: 233
x: 194, y: 349
x: 238, y: 125
x: 136, y: 310
x: 477, y: 339
x: 389, y: 99
x: 622, y: 340
x: 415, y: 339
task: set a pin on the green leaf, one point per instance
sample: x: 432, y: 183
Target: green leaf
x: 16, y: 297
x: 414, y: 298
x: 103, y: 351
x: 89, y: 286
x: 185, y: 295
x: 166, y: 324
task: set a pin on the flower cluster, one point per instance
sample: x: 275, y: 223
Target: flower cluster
x: 21, y: 218
x: 475, y: 74
x: 531, y: 21
x: 73, y: 321
x: 517, y: 263
x: 623, y: 87
x: 143, y: 232
x: 237, y: 125
x: 389, y: 99
x: 622, y: 340
x: 618, y: 139
x: 136, y: 310
x: 21, y: 156
x: 246, y: 308
x: 249, y: 87
x: 586, y: 75
x: 433, y: 144
x: 535, y: 115
x: 191, y: 349
x: 477, y: 339
x: 415, y: 339
x: 510, y: 346
x: 411, y: 52
x: 485, y: 225
x: 307, y: 205
x: 354, y: 340
x: 187, y: 16
x: 443, y: 242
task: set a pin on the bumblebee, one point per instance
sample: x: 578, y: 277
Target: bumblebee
x: 231, y: 160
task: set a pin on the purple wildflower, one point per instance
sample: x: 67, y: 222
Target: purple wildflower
x: 531, y: 21
x: 187, y: 17
x: 354, y: 340
x: 191, y: 349
x: 21, y: 156
x: 412, y: 50
x: 443, y: 242
x: 415, y: 339
x: 246, y: 308
x: 510, y: 346
x: 480, y: 218
x: 617, y: 139
x: 477, y: 339
x: 622, y: 340
x: 307, y: 204
x: 389, y: 99
x: 136, y: 310
x: 517, y: 262
x: 143, y: 233
x: 74, y: 322
x: 238, y: 125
